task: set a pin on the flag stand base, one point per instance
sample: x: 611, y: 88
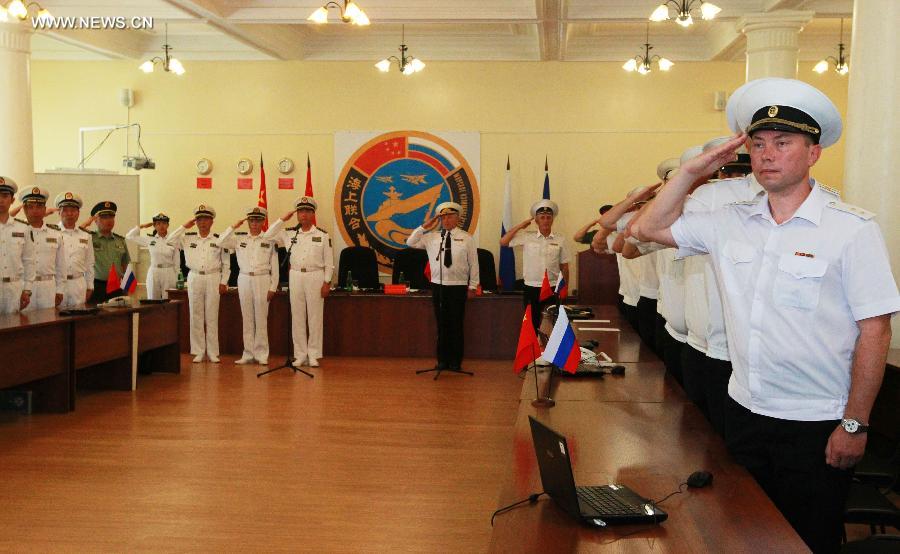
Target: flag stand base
x: 543, y: 402
x: 438, y: 371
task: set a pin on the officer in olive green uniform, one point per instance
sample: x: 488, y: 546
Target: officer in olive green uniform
x: 109, y: 249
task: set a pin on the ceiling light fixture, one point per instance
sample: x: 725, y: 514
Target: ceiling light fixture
x: 350, y: 13
x: 168, y: 62
x: 641, y: 63
x: 407, y: 64
x: 19, y: 10
x: 840, y: 63
x: 683, y: 9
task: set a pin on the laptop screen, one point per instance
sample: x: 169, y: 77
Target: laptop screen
x: 552, y: 453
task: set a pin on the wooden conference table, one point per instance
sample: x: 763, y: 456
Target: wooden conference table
x: 50, y: 354
x: 636, y: 429
x: 369, y: 324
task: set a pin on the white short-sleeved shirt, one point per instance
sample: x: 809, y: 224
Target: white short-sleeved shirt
x: 309, y: 250
x: 648, y: 281
x: 708, y: 329
x: 792, y: 294
x: 541, y: 253
x: 464, y: 255
x: 629, y: 275
x: 671, y: 292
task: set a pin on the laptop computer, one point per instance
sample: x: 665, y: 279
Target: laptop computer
x: 594, y: 505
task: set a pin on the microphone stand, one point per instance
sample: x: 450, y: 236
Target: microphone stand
x: 289, y: 362
x: 441, y: 319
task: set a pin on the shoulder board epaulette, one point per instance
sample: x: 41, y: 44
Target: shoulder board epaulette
x: 151, y: 235
x: 240, y: 232
x: 20, y: 221
x: 53, y: 226
x: 117, y: 235
x: 216, y: 235
x: 191, y: 233
x: 829, y: 190
x: 321, y: 229
x: 851, y: 209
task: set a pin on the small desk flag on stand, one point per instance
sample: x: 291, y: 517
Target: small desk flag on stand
x: 129, y: 280
x: 528, y: 348
x: 546, y: 291
x: 562, y: 347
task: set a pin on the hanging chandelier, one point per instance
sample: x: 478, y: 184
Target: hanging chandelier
x: 683, y: 10
x: 19, y: 10
x: 641, y: 62
x: 840, y: 63
x: 167, y: 62
x: 350, y: 13
x: 405, y: 63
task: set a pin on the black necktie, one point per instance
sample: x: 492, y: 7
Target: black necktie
x: 448, y: 254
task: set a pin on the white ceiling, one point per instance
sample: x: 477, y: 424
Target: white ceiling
x: 508, y: 30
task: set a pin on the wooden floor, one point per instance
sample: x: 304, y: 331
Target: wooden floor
x: 365, y: 457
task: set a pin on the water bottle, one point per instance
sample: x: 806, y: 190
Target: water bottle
x: 402, y: 280
x: 348, y: 286
x: 179, y: 283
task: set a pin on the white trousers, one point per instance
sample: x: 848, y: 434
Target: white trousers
x: 10, y: 297
x: 307, y: 306
x: 160, y: 279
x: 203, y: 301
x: 73, y: 292
x: 253, y: 292
x: 43, y: 295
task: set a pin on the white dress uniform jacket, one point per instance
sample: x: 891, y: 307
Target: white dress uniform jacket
x: 165, y: 262
x: 16, y: 263
x: 79, y: 248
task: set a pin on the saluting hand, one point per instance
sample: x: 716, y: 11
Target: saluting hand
x: 287, y: 217
x: 51, y: 211
x: 238, y: 223
x: 709, y: 162
x: 429, y: 225
x: 526, y: 223
x: 190, y: 223
x: 146, y: 225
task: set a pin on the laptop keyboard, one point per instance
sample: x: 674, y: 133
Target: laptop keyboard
x: 606, y: 501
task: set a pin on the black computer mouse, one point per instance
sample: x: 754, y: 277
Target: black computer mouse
x: 699, y: 479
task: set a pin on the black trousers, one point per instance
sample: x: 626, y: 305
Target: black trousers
x: 705, y: 382
x: 660, y: 335
x: 672, y: 356
x: 100, y: 295
x: 450, y: 311
x: 787, y: 459
x: 646, y: 314
x: 631, y: 315
x: 531, y: 296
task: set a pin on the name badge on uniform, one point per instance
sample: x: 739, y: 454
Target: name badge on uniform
x: 243, y: 245
x: 82, y: 241
x: 193, y: 245
x: 152, y: 243
x: 553, y: 244
x: 50, y: 239
x: 265, y: 245
x: 18, y: 235
x: 317, y: 239
x: 213, y: 245
x: 457, y: 240
x: 293, y: 241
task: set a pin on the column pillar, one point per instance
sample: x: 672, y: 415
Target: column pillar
x: 16, y: 139
x: 872, y: 137
x: 772, y: 42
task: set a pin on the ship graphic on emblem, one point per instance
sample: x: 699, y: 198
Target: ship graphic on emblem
x: 392, y: 184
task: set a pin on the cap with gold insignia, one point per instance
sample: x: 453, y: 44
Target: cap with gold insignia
x: 445, y: 208
x: 104, y: 208
x: 690, y: 153
x: 36, y: 195
x: 666, y: 167
x: 161, y: 217
x: 68, y: 200
x: 306, y: 203
x: 205, y: 210
x: 257, y: 212
x: 8, y: 185
x: 786, y: 105
x: 544, y: 206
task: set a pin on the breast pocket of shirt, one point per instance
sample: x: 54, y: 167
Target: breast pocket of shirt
x: 736, y: 266
x: 799, y: 281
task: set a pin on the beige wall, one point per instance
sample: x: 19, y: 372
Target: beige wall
x: 603, y: 129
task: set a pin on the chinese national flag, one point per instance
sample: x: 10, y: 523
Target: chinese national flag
x: 546, y: 291
x: 112, y: 281
x: 309, y: 191
x: 529, y: 348
x: 263, y: 201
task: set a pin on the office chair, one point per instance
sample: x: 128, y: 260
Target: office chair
x: 361, y: 262
x: 411, y: 263
x: 487, y: 272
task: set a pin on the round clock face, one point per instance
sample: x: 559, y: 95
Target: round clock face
x: 204, y: 166
x: 286, y: 165
x: 244, y: 166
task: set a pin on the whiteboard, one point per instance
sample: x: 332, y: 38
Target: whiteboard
x: 124, y: 190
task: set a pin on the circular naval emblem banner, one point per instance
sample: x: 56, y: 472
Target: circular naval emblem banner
x: 393, y: 183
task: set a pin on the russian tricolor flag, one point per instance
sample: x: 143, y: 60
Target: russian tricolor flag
x: 562, y: 288
x: 562, y: 348
x: 129, y: 280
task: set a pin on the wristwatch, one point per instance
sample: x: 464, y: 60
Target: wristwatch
x: 853, y: 427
